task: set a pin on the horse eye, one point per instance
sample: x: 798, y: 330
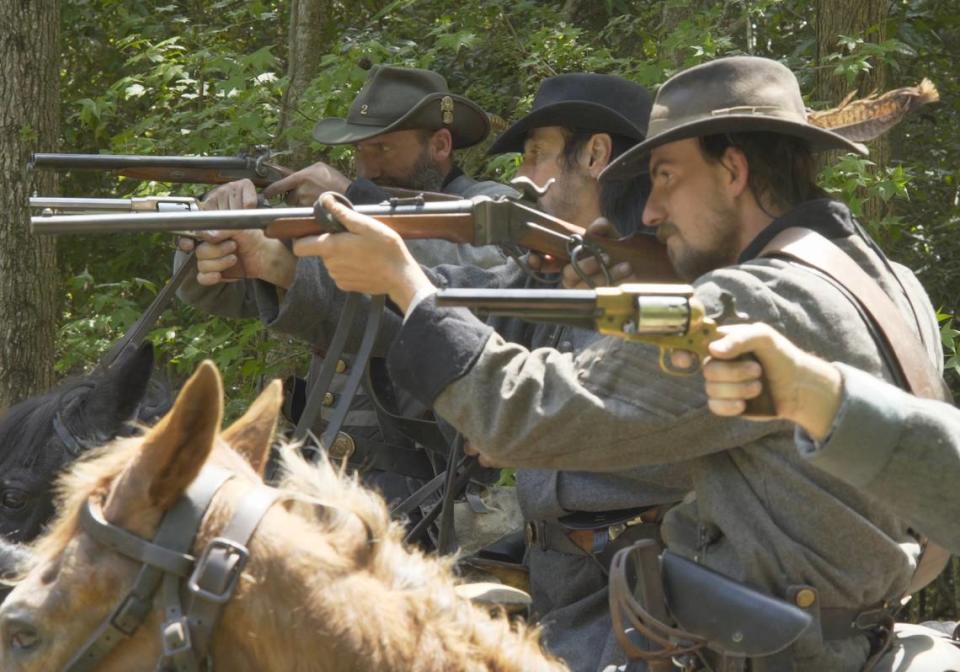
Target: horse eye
x: 13, y: 499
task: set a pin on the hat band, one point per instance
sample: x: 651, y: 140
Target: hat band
x: 763, y: 110
x: 663, y: 125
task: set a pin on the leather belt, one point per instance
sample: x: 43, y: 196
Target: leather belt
x: 601, y: 542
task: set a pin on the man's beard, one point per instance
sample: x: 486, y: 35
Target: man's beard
x: 424, y: 176
x: 563, y: 197
x: 722, y: 249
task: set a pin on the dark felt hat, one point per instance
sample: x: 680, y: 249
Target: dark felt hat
x: 396, y: 99
x: 602, y: 103
x: 735, y: 94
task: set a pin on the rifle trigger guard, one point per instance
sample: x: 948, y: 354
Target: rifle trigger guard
x: 577, y: 247
x: 327, y: 221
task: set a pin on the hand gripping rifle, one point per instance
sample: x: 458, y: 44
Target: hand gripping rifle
x: 475, y: 221
x: 669, y: 316
x: 254, y: 166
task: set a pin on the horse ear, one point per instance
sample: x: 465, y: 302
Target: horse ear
x: 119, y: 392
x: 252, y: 434
x: 174, y: 450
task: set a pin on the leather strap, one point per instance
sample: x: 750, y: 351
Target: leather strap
x: 321, y: 384
x: 811, y: 249
x: 903, y: 347
x: 370, y: 330
x: 218, y: 569
x: 137, y: 333
x: 175, y: 535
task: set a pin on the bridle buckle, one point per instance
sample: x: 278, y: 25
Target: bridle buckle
x: 176, y: 637
x: 230, y: 549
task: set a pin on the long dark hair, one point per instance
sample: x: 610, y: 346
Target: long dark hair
x: 783, y: 172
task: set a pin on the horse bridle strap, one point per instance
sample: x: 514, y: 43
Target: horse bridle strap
x: 208, y: 582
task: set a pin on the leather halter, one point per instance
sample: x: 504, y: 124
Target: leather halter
x: 194, y: 589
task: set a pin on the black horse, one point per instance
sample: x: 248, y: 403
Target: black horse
x: 41, y: 435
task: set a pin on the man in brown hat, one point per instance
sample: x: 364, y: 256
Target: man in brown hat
x: 730, y: 155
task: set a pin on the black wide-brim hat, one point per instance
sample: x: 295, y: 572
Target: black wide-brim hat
x: 397, y: 99
x: 586, y: 101
x: 729, y: 95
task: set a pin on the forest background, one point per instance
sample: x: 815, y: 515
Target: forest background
x: 221, y: 77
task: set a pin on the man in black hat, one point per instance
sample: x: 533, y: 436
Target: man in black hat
x: 730, y: 154
x: 578, y: 124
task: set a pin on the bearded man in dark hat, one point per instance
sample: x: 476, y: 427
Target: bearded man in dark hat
x: 731, y: 158
x: 405, y: 126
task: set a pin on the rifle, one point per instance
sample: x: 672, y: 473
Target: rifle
x: 58, y: 204
x: 254, y: 166
x: 476, y: 221
x: 669, y: 316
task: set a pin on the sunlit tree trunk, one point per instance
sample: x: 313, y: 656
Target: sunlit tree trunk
x: 29, y: 121
x: 308, y: 40
x: 865, y: 19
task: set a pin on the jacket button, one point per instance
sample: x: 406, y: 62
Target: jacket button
x: 329, y: 398
x: 341, y: 366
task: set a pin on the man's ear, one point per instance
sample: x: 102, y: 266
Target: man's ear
x: 597, y: 153
x: 738, y: 170
x: 441, y: 145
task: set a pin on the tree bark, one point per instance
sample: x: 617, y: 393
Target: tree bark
x: 29, y: 121
x: 853, y: 18
x: 309, y: 23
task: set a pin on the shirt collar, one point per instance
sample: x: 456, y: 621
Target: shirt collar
x: 831, y: 219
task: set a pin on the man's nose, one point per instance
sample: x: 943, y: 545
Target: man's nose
x: 653, y: 212
x: 368, y: 169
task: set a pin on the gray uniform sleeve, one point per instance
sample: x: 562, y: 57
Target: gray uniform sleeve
x: 899, y: 448
x: 227, y: 299
x: 528, y: 408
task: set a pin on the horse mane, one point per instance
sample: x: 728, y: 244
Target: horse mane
x: 401, y: 580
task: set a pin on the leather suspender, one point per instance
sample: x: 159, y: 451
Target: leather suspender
x: 896, y: 340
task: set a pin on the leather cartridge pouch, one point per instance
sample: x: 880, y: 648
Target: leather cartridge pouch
x: 653, y: 590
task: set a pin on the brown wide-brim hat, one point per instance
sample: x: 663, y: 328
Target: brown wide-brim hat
x: 729, y: 95
x: 397, y: 99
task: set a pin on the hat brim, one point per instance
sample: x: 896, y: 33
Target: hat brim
x: 571, y: 113
x: 470, y: 123
x: 634, y: 161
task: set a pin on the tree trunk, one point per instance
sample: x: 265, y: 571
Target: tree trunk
x: 308, y: 40
x: 855, y: 18
x: 29, y: 121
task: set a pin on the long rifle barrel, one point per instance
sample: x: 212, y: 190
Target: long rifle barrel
x: 306, y: 219
x: 195, y: 169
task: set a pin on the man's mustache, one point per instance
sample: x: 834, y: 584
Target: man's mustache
x: 665, y: 230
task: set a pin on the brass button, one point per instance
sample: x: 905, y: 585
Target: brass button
x: 329, y: 398
x: 341, y: 366
x: 343, y: 447
x: 805, y: 598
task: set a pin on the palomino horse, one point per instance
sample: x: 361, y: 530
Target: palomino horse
x: 40, y: 435
x: 320, y: 580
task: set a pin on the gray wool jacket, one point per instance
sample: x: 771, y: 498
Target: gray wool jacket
x: 900, y: 449
x: 762, y: 514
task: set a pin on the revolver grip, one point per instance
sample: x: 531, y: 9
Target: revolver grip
x: 761, y: 406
